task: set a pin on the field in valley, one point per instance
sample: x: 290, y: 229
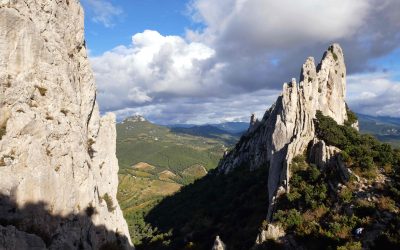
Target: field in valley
x: 156, y: 162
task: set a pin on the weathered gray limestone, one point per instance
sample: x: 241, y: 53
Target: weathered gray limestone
x: 287, y: 128
x: 57, y: 150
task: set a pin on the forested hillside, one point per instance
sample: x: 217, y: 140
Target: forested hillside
x: 156, y: 161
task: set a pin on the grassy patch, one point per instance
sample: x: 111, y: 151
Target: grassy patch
x: 110, y: 204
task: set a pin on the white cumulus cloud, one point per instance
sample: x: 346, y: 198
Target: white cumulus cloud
x: 247, y: 47
x: 153, y: 67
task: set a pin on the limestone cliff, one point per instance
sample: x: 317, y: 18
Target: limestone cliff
x: 58, y: 166
x: 287, y: 128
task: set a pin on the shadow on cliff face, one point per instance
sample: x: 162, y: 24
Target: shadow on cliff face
x: 232, y: 206
x: 73, y: 231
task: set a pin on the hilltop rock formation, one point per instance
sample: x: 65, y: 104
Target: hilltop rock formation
x: 325, y: 156
x: 287, y: 128
x: 218, y: 244
x: 135, y: 118
x: 57, y: 155
x: 272, y: 232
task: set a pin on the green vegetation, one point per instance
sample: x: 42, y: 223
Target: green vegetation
x: 362, y: 153
x: 110, y: 204
x: 155, y: 162
x: 335, y: 57
x: 167, y: 206
x: 386, y: 129
x: 208, y: 131
x: 321, y: 212
x: 353, y: 245
x: 232, y: 206
x: 158, y: 146
x: 351, y: 117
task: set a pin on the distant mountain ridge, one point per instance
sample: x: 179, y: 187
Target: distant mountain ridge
x: 380, y: 119
x: 209, y: 131
x: 386, y: 129
x: 230, y: 127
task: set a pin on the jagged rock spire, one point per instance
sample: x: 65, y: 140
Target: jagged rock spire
x: 253, y: 122
x: 218, y: 244
x: 252, y: 119
x: 287, y: 127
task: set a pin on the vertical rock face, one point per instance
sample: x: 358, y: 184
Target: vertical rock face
x: 57, y: 155
x: 325, y: 156
x: 287, y: 127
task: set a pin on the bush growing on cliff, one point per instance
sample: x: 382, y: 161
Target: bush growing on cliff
x: 351, y: 117
x: 363, y: 152
x: 322, y: 214
x: 289, y: 219
x: 110, y: 204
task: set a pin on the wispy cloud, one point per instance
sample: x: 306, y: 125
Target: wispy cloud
x: 104, y: 12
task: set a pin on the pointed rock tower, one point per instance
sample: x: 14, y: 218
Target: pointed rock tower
x: 218, y: 244
x: 287, y: 128
x: 58, y: 167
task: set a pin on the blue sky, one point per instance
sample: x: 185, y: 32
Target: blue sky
x: 169, y: 17
x: 200, y: 61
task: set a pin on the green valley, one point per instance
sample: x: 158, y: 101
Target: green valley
x: 156, y: 161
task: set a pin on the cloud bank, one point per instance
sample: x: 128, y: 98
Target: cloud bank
x: 237, y: 63
x: 375, y: 94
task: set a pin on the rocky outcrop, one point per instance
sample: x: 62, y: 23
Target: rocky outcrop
x: 57, y: 155
x: 287, y: 127
x: 272, y: 232
x: 218, y: 244
x: 321, y: 154
x: 325, y: 156
x: 356, y: 125
x: 135, y: 118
